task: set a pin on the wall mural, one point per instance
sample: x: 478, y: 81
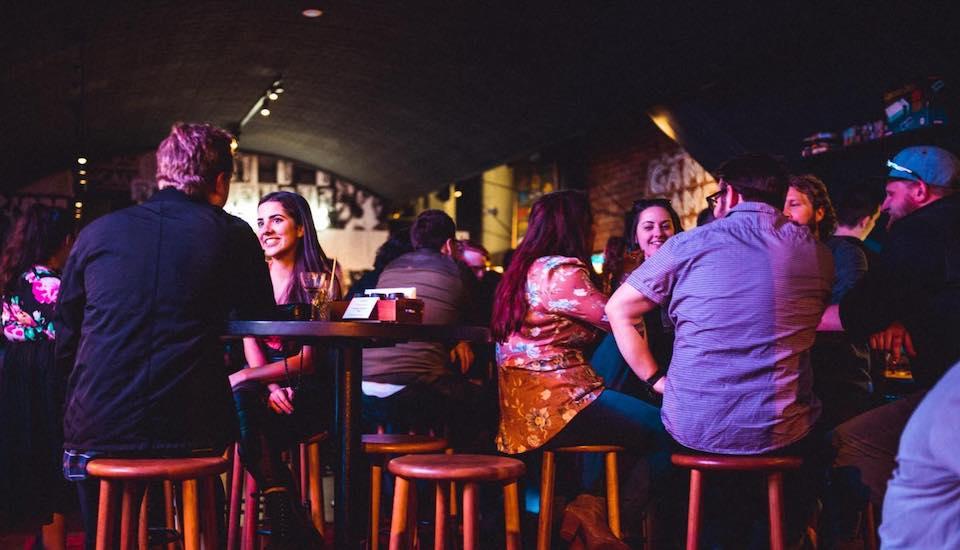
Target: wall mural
x: 678, y: 177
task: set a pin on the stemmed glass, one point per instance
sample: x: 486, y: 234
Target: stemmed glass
x: 315, y: 284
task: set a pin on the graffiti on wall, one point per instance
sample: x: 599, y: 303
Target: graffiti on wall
x: 678, y: 177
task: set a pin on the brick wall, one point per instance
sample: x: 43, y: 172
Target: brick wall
x: 625, y: 164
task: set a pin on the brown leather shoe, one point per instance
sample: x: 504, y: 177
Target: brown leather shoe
x: 586, y: 518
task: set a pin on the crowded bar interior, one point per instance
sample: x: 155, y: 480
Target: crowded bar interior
x: 375, y: 274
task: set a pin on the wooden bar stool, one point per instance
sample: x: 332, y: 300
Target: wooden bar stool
x: 126, y: 478
x: 244, y: 494
x: 379, y: 446
x: 774, y: 466
x: 466, y: 469
x: 547, y: 475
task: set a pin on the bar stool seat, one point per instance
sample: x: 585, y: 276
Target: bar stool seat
x: 547, y: 474
x: 127, y: 477
x: 467, y: 469
x: 381, y: 445
x: 773, y: 466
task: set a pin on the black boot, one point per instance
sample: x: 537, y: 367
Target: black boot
x: 289, y: 526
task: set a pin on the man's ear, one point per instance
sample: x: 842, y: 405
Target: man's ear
x: 449, y: 248
x: 221, y: 189
x: 733, y: 198
x: 819, y: 214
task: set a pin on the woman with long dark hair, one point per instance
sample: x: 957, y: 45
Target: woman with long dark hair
x: 31, y: 391
x: 298, y: 393
x: 548, y: 312
x: 650, y: 222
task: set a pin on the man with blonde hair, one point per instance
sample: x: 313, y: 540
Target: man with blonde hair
x: 143, y: 299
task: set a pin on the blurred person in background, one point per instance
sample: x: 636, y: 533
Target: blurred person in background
x: 33, y: 490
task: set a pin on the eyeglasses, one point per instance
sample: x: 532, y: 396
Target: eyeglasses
x: 712, y: 199
x: 904, y: 169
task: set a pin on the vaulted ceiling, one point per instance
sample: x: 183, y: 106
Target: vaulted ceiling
x: 403, y: 96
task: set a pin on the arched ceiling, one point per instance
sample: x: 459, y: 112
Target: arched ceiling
x: 403, y: 96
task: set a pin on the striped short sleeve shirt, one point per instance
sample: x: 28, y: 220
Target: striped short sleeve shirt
x: 746, y: 293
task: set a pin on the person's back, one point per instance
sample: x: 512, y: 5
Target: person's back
x: 157, y: 282
x: 439, y: 284
x: 142, y: 304
x: 926, y: 483
x: 749, y: 290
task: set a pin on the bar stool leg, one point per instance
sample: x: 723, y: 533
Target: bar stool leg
x: 545, y: 523
x: 236, y: 497
x: 251, y: 513
x: 191, y: 523
x: 471, y: 530
x: 870, y: 528
x: 168, y: 510
x: 129, y: 509
x: 693, y: 512
x: 511, y: 509
x: 412, y: 515
x: 453, y: 491
x: 209, y: 513
x: 440, y: 516
x: 143, y: 533
x: 613, y: 494
x: 376, y: 479
x: 398, y: 522
x: 105, y: 514
x: 315, y: 487
x: 775, y: 501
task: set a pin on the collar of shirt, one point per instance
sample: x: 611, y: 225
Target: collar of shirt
x: 760, y: 207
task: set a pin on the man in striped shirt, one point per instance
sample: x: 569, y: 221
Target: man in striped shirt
x: 745, y: 294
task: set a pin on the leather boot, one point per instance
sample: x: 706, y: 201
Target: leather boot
x: 586, y: 518
x: 289, y: 526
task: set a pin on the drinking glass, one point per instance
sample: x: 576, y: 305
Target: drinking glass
x: 315, y: 284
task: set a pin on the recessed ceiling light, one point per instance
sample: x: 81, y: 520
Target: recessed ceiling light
x: 312, y: 12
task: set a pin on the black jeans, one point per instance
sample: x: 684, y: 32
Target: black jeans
x: 470, y: 411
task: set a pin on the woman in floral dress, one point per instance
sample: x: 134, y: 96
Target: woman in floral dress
x: 33, y: 490
x: 547, y: 314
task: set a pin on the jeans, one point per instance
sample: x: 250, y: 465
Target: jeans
x: 618, y: 419
x: 865, y: 455
x: 470, y: 411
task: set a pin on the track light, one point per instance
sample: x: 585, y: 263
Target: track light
x: 81, y: 160
x: 265, y: 107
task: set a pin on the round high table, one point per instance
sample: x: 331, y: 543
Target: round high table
x: 349, y: 338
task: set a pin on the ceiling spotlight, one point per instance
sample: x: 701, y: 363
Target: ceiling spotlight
x: 458, y: 194
x: 82, y: 172
x: 234, y: 145
x: 273, y: 96
x: 81, y: 160
x: 83, y: 181
x: 78, y: 204
x: 265, y: 108
x: 312, y: 13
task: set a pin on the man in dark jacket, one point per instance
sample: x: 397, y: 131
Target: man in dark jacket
x: 143, y: 300
x: 911, y: 298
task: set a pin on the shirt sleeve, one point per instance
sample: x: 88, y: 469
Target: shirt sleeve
x: 253, y: 295
x: 657, y: 274
x: 886, y: 292
x: 571, y: 292
x: 851, y: 266
x: 68, y: 317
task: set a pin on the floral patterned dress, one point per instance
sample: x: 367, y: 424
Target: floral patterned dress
x: 545, y: 379
x: 31, y: 397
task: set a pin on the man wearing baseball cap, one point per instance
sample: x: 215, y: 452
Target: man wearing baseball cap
x: 911, y: 299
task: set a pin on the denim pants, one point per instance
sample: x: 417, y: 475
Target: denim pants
x: 618, y: 419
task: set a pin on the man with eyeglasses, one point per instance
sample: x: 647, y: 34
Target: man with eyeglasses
x: 745, y: 294
x: 909, y: 302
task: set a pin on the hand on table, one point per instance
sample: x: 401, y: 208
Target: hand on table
x: 893, y: 339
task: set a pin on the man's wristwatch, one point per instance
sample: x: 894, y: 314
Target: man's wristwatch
x: 653, y: 379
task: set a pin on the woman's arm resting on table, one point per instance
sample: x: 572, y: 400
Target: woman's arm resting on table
x: 625, y: 311
x: 830, y: 320
x: 272, y: 372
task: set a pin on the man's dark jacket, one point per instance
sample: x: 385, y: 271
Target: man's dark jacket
x: 143, y: 301
x: 916, y: 282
